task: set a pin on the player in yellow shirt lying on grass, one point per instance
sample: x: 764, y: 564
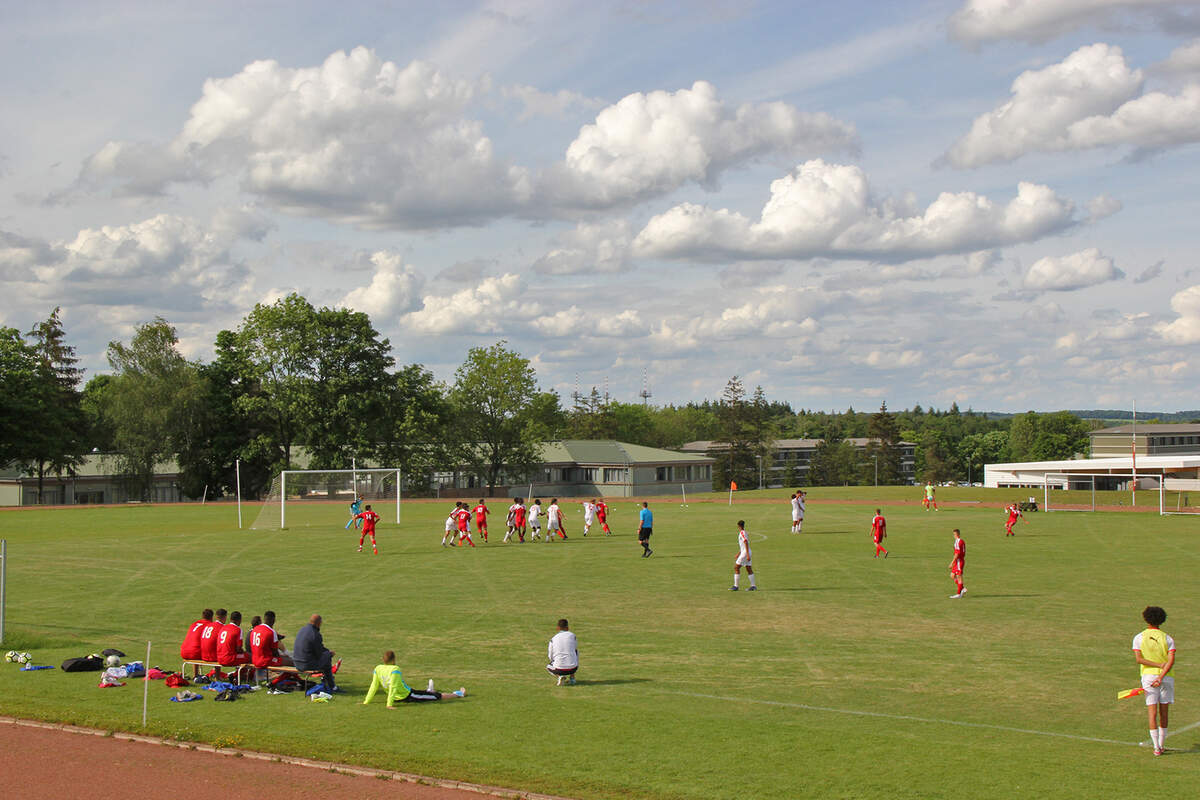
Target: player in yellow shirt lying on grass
x: 388, y: 677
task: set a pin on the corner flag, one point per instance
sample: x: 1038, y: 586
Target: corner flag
x: 732, y: 489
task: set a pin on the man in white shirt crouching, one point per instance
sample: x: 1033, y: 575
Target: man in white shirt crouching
x: 563, y: 655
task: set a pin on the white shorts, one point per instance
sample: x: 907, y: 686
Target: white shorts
x: 743, y: 560
x: 795, y: 517
x: 533, y: 523
x: 1159, y: 694
x: 552, y: 525
x: 588, y: 520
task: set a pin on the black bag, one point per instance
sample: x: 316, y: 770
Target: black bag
x: 83, y: 664
x: 112, y: 651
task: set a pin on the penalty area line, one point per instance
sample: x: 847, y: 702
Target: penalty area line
x: 908, y: 718
x: 1176, y: 732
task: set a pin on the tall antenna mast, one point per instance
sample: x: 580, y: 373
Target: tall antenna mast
x: 645, y: 393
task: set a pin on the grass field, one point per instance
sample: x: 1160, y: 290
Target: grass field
x: 844, y: 676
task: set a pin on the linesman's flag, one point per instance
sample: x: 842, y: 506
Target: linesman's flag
x: 1130, y: 693
x: 733, y: 486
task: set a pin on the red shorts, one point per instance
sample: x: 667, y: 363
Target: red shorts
x: 239, y: 659
x: 956, y: 568
x: 878, y: 539
x: 273, y: 661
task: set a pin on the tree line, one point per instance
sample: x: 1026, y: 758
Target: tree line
x: 292, y: 375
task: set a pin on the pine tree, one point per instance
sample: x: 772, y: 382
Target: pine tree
x: 59, y: 424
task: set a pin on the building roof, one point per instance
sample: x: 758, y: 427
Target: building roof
x: 1123, y: 463
x: 704, y: 445
x: 609, y: 451
x: 1151, y: 428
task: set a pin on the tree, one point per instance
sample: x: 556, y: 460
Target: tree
x: 95, y: 403
x: 834, y: 462
x: 736, y: 460
x: 417, y: 420
x: 883, y: 449
x: 980, y: 449
x: 153, y: 401
x: 58, y: 425
x: 591, y: 418
x: 19, y: 377
x: 493, y: 397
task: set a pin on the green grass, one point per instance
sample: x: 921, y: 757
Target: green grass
x: 1040, y: 643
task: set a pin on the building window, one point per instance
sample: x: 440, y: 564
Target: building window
x: 663, y: 474
x: 588, y: 474
x: 616, y: 475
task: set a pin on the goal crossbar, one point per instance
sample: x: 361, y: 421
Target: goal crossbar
x: 353, y: 473
x: 308, y: 486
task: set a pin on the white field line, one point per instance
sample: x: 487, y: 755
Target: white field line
x: 908, y: 718
x: 1175, y: 732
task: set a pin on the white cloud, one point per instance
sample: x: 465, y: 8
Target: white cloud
x: 1039, y: 20
x: 649, y: 144
x: 577, y: 322
x: 589, y: 248
x: 1101, y: 206
x: 827, y: 210
x: 1094, y: 80
x: 1090, y: 99
x: 394, y: 288
x: 1043, y: 312
x: 1185, y: 329
x: 495, y: 305
x: 890, y: 359
x: 356, y: 140
x: 1075, y: 271
x: 1184, y: 59
x: 537, y: 103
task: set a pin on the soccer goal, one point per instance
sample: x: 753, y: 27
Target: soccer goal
x: 302, y: 498
x: 1178, y: 496
x: 1074, y: 491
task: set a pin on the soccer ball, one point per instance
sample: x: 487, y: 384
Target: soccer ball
x: 113, y: 661
x: 24, y: 658
x: 11, y: 656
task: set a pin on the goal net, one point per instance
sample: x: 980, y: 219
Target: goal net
x: 304, y: 498
x: 1076, y: 491
x: 1178, y: 496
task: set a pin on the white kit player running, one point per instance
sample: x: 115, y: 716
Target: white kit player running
x: 451, y: 530
x: 743, y: 559
x: 589, y: 515
x: 535, y: 522
x: 511, y: 521
x: 554, y: 521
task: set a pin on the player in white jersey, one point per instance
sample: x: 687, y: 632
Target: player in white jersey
x: 554, y: 521
x: 511, y: 522
x: 589, y: 515
x: 451, y: 531
x: 535, y: 523
x: 743, y: 559
x: 796, y: 512
x: 800, y: 500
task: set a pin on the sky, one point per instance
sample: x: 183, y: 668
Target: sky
x: 987, y: 202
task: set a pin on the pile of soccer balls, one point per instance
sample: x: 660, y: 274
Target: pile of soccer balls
x: 12, y: 656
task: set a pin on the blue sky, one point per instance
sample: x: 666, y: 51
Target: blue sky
x: 986, y: 202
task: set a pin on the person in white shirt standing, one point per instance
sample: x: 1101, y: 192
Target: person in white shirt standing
x: 796, y: 513
x: 563, y: 654
x: 743, y: 559
x: 800, y: 499
x: 535, y: 523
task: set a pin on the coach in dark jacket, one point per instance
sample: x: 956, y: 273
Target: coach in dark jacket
x: 309, y: 651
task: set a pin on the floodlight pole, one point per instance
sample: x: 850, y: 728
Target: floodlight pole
x: 759, y: 471
x: 237, y: 467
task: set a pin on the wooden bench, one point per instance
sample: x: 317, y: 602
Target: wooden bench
x: 304, y: 676
x: 198, y: 664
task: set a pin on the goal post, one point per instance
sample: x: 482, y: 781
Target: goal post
x: 310, y: 497
x: 1178, y: 496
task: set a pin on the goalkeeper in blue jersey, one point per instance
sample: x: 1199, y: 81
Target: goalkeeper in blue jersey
x: 355, y: 510
x: 387, y: 676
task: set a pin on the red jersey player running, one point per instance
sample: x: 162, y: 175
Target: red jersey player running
x: 369, y: 518
x: 879, y: 533
x: 1014, y: 513
x: 462, y: 515
x: 957, y: 563
x: 481, y: 513
x: 602, y: 516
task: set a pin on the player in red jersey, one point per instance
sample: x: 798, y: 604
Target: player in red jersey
x: 264, y: 645
x: 481, y: 514
x: 208, y: 636
x: 879, y: 533
x: 462, y: 516
x: 957, y: 563
x: 190, y: 649
x: 513, y: 526
x: 602, y: 516
x: 230, y: 652
x: 1014, y: 513
x: 520, y: 518
x: 369, y: 518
